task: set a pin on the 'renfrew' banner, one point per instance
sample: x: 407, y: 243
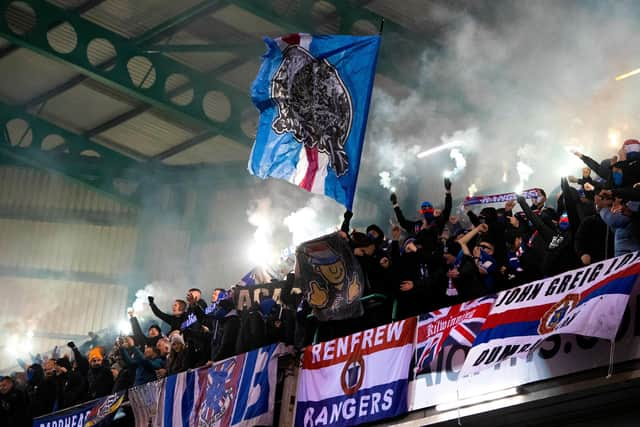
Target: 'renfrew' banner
x: 356, y: 379
x: 539, y: 331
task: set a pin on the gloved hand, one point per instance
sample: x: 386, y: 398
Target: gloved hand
x: 150, y: 298
x: 447, y: 184
x: 348, y: 215
x: 393, y: 198
x: 71, y: 345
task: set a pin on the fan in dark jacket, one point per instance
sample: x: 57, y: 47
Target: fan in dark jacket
x: 71, y: 386
x: 176, y: 318
x: 230, y: 324
x: 13, y: 405
x: 154, y: 333
x: 559, y: 255
x: 429, y: 228
x: 93, y: 367
x: 41, y: 393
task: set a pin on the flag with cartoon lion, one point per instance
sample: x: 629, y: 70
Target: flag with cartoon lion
x: 331, y: 277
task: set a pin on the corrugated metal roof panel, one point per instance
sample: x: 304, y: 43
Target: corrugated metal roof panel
x: 243, y: 76
x: 72, y: 109
x: 247, y: 22
x: 204, y: 61
x: 148, y: 133
x: 132, y: 18
x: 67, y: 4
x: 101, y: 250
x: 214, y: 150
x: 56, y: 307
x: 32, y: 189
x: 26, y: 74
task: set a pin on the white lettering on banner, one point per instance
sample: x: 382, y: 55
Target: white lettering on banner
x: 362, y: 406
x: 364, y: 340
x: 440, y: 325
x: 75, y: 420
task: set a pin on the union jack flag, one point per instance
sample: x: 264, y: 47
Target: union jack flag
x: 458, y: 324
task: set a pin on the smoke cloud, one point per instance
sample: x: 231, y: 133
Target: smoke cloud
x: 532, y: 77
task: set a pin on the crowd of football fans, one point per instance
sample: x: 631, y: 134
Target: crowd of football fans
x: 419, y: 265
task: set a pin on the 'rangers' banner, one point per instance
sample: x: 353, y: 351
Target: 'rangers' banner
x: 589, y: 301
x: 457, y: 325
x: 356, y: 379
x: 239, y: 391
x: 96, y: 413
x: 313, y: 93
x: 331, y: 277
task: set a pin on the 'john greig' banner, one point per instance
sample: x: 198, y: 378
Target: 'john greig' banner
x: 356, y: 379
x: 331, y: 277
x: 95, y: 413
x: 589, y: 301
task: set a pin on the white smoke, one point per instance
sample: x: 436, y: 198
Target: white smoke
x: 524, y: 172
x: 472, y: 190
x: 526, y: 93
x: 164, y: 295
x: 460, y: 162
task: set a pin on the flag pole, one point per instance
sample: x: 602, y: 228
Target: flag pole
x: 381, y: 26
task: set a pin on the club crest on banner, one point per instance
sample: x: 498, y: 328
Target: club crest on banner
x: 557, y: 313
x: 314, y: 105
x: 352, y: 374
x: 219, y: 395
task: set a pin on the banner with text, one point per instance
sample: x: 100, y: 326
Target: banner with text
x: 589, y: 301
x: 457, y: 325
x: 356, y: 379
x: 554, y: 356
x: 96, y: 413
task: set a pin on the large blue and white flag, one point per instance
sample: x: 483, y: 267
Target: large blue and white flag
x: 238, y: 391
x: 313, y: 93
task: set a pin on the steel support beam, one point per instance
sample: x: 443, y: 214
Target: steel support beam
x: 73, y: 161
x: 302, y: 21
x: 179, y: 21
x: 150, y: 88
x: 198, y: 139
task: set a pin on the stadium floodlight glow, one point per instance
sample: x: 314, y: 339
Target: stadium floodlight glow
x: 496, y: 395
x: 629, y: 74
x: 438, y: 148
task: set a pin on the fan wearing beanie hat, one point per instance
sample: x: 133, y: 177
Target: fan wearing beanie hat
x: 429, y: 226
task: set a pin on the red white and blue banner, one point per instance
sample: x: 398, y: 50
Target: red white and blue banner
x: 556, y: 356
x: 239, y: 391
x: 313, y: 93
x: 96, y: 413
x: 589, y: 301
x: 457, y: 325
x: 356, y: 379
